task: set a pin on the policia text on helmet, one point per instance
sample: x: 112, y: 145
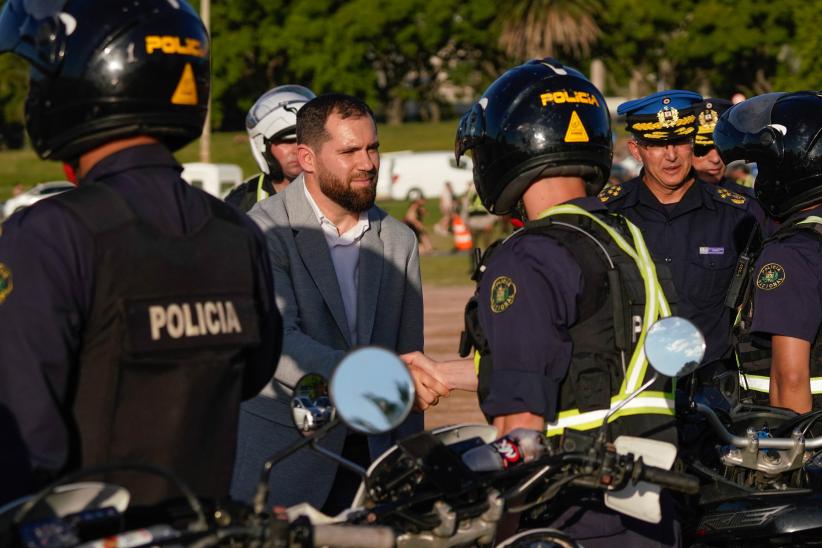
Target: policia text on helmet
x: 141, y: 68
x: 552, y: 325
x: 139, y: 310
x: 521, y: 130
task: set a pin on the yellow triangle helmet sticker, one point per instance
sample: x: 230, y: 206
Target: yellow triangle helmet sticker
x: 576, y: 131
x: 186, y: 92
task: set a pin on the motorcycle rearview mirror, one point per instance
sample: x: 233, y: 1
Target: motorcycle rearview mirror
x: 311, y: 408
x: 674, y: 346
x: 372, y: 390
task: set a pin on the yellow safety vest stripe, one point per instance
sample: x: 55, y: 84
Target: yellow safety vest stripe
x: 261, y: 193
x: 656, y: 305
x: 761, y: 383
x: 648, y: 403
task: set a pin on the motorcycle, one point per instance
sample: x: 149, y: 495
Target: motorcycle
x: 760, y: 471
x: 448, y: 487
x: 452, y: 486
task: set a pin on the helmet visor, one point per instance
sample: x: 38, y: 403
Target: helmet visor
x: 33, y: 30
x: 471, y: 130
x: 745, y: 132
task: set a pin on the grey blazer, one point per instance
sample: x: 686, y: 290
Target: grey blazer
x: 316, y: 336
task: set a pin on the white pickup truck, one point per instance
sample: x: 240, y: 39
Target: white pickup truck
x: 216, y: 179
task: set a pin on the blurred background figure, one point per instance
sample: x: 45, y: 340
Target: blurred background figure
x: 741, y: 173
x: 414, y: 218
x: 707, y: 163
x: 481, y: 222
x: 448, y: 202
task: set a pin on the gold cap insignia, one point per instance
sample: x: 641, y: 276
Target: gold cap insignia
x: 668, y: 116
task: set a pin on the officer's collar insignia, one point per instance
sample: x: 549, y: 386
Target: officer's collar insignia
x: 610, y: 192
x: 729, y: 196
x: 503, y: 293
x: 5, y: 282
x: 668, y: 115
x: 771, y: 276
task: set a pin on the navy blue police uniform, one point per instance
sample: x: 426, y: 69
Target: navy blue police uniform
x: 700, y: 239
x: 701, y: 236
x: 66, y: 306
x: 529, y: 301
x: 787, y: 276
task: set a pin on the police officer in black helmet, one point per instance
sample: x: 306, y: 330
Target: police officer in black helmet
x: 555, y: 337
x: 137, y: 311
x: 782, y: 311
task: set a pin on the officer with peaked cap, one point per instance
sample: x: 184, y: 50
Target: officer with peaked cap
x: 697, y: 229
x: 137, y: 311
x: 708, y: 165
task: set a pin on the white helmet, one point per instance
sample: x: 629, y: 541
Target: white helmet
x: 274, y: 116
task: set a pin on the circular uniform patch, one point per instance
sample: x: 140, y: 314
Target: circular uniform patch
x: 771, y: 276
x: 5, y: 282
x: 503, y: 292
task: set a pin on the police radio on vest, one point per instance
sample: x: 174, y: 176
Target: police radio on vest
x: 209, y: 318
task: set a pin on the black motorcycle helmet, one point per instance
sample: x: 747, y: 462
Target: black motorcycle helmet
x: 104, y: 70
x: 540, y: 119
x: 782, y: 133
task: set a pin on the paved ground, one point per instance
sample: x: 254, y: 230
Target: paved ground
x: 443, y: 325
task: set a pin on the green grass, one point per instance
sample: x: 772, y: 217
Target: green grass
x: 440, y: 268
x: 24, y: 167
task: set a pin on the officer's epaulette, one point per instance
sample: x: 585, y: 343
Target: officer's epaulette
x: 611, y: 192
x: 726, y: 196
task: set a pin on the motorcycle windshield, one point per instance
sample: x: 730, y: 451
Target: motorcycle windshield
x: 23, y: 32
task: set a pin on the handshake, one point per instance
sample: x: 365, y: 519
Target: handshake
x: 434, y: 380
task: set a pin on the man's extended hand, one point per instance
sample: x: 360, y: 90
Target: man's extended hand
x: 429, y: 383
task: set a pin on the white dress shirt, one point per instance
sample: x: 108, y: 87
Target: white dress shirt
x: 345, y: 254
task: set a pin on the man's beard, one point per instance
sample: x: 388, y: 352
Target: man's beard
x: 343, y: 195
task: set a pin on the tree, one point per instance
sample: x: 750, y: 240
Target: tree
x: 726, y: 47
x: 633, y: 42
x: 13, y: 90
x: 800, y: 65
x: 248, y: 56
x: 540, y: 28
x: 389, y: 51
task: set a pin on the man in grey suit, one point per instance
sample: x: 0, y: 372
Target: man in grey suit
x: 345, y: 275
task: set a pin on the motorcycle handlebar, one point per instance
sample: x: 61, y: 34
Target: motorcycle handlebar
x: 744, y: 442
x: 353, y: 536
x: 672, y: 480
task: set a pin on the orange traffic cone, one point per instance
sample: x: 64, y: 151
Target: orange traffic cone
x: 462, y: 237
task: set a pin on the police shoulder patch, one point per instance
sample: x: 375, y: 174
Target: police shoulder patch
x: 770, y: 276
x: 6, y: 284
x: 726, y: 196
x: 610, y: 192
x: 503, y: 293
